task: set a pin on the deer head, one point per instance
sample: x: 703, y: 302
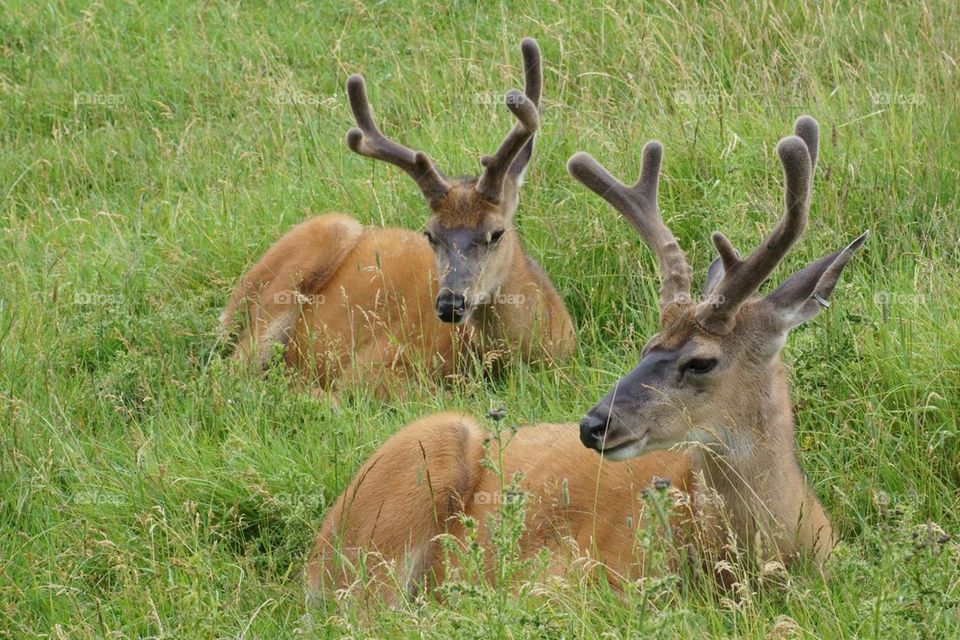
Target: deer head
x: 470, y: 227
x: 713, y: 373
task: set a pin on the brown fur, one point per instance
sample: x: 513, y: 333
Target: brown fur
x: 435, y: 460
x: 351, y: 305
x: 463, y: 208
x: 364, y: 312
x: 393, y: 512
x: 267, y: 293
x: 740, y: 423
x: 707, y: 409
x: 746, y: 483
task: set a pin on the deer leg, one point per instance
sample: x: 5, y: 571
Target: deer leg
x: 265, y: 305
x: 379, y: 538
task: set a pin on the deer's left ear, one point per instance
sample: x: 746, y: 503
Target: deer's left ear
x: 807, y: 291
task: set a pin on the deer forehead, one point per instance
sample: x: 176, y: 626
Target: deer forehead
x: 754, y: 321
x: 463, y: 207
x: 686, y: 337
x: 680, y: 333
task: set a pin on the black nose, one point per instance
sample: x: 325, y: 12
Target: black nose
x: 451, y: 307
x: 593, y: 427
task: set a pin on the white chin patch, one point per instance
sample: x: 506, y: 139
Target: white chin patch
x: 626, y: 452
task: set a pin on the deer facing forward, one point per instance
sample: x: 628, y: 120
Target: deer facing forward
x: 351, y: 304
x: 707, y: 407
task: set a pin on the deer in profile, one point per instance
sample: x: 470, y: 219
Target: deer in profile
x: 349, y: 304
x: 707, y: 408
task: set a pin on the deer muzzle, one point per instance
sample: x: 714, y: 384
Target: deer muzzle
x: 451, y: 306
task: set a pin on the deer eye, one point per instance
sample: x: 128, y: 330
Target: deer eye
x: 430, y: 238
x: 698, y: 365
x: 494, y: 236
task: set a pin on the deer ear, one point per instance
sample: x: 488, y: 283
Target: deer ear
x: 807, y: 291
x: 714, y: 276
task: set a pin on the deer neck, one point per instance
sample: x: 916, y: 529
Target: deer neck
x: 749, y: 479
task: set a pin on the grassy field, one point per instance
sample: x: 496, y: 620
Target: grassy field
x: 150, y: 154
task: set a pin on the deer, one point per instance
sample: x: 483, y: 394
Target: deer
x: 347, y: 304
x: 707, y: 409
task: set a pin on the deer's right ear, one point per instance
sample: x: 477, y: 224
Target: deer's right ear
x: 807, y: 291
x: 714, y: 276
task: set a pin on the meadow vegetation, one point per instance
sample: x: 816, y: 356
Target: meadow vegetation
x: 151, y: 152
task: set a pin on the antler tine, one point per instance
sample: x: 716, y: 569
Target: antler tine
x: 533, y: 87
x: 368, y: 141
x: 638, y: 204
x: 798, y: 155
x: 532, y: 70
x: 807, y: 129
x: 490, y: 184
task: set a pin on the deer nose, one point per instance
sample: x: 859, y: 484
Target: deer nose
x: 451, y: 307
x: 593, y: 427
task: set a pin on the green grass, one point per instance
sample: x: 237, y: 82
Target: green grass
x: 150, y: 154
